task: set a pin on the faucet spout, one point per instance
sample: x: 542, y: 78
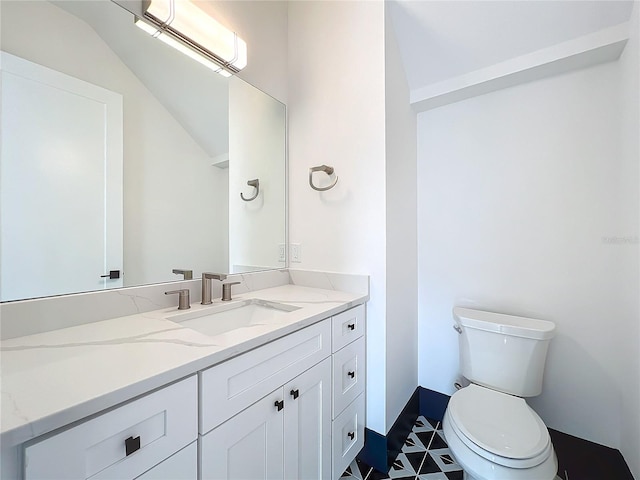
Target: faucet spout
x: 187, y: 274
x: 206, y: 285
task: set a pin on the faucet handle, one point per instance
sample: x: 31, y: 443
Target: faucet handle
x: 226, y: 290
x: 183, y: 298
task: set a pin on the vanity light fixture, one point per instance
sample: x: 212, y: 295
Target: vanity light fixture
x: 185, y: 27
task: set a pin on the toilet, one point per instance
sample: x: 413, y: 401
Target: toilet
x: 491, y: 431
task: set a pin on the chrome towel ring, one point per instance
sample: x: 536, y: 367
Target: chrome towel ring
x: 321, y: 168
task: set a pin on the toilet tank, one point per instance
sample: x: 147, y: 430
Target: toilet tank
x: 503, y: 352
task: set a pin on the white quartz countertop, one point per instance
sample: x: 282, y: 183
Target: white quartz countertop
x: 51, y: 379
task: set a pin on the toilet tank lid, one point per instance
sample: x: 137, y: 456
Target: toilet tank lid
x: 506, y: 324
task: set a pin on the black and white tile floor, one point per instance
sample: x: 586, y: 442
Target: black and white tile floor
x: 424, y: 456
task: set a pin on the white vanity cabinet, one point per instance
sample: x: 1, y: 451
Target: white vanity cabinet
x: 348, y: 408
x: 292, y: 409
x: 279, y: 399
x: 122, y: 443
x: 285, y: 435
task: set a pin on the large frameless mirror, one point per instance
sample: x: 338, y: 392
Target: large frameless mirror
x: 124, y: 162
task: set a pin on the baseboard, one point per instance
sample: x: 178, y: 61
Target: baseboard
x: 432, y: 403
x: 379, y: 451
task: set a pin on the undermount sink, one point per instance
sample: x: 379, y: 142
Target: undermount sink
x: 220, y: 319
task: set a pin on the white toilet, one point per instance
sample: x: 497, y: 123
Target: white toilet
x: 490, y: 429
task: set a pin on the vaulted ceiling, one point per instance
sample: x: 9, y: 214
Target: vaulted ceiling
x: 440, y: 40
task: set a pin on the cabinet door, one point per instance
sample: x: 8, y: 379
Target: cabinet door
x: 248, y: 446
x: 307, y: 424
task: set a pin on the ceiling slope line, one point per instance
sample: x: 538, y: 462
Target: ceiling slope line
x: 600, y: 47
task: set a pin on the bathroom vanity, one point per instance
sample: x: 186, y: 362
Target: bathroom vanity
x: 150, y: 396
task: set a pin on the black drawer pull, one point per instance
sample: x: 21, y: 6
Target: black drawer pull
x: 131, y: 445
x: 351, y: 326
x: 351, y: 374
x: 351, y: 435
x: 279, y: 404
x: 295, y: 393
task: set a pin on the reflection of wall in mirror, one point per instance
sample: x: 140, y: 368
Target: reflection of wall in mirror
x: 168, y: 178
x: 256, y: 150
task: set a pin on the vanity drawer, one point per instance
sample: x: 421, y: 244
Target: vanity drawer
x: 232, y: 386
x: 347, y: 326
x: 106, y: 447
x: 348, y: 435
x: 348, y: 375
x: 181, y: 466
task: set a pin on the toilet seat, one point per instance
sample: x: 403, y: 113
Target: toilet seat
x: 499, y: 427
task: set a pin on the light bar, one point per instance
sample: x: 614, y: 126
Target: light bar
x: 185, y: 27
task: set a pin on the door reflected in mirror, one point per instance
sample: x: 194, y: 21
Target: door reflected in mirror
x: 121, y: 154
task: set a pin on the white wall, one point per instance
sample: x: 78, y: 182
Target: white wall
x: 336, y: 113
x: 263, y: 25
x: 630, y: 333
x: 167, y: 176
x: 257, y: 146
x: 519, y: 190
x: 401, y: 231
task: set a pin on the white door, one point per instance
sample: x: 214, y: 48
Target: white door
x: 307, y: 424
x: 60, y: 183
x: 249, y: 446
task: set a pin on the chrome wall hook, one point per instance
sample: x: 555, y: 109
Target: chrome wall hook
x: 255, y: 184
x: 321, y: 168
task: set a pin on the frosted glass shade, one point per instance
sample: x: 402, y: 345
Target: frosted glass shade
x: 186, y: 27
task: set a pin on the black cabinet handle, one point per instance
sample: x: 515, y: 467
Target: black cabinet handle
x: 351, y: 435
x: 351, y: 326
x: 112, y: 275
x: 295, y: 393
x: 279, y: 404
x: 351, y: 374
x: 131, y: 445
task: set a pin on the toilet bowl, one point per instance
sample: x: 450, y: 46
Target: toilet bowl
x: 497, y: 436
x: 489, y: 428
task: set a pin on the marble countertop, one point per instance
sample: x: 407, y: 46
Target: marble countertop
x: 52, y: 379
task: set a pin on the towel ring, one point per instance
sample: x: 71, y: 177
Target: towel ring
x: 321, y: 168
x: 255, y: 184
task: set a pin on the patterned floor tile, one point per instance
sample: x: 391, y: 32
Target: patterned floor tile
x: 433, y: 476
x: 432, y: 440
x: 346, y: 474
x: 413, y: 444
x: 422, y: 425
x: 424, y: 456
x: 401, y: 467
x: 415, y: 460
x: 444, y: 458
x: 434, y: 423
x: 353, y: 471
x: 376, y: 475
x: 428, y: 465
x: 457, y: 475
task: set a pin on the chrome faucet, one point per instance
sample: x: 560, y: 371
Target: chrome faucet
x: 206, y: 285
